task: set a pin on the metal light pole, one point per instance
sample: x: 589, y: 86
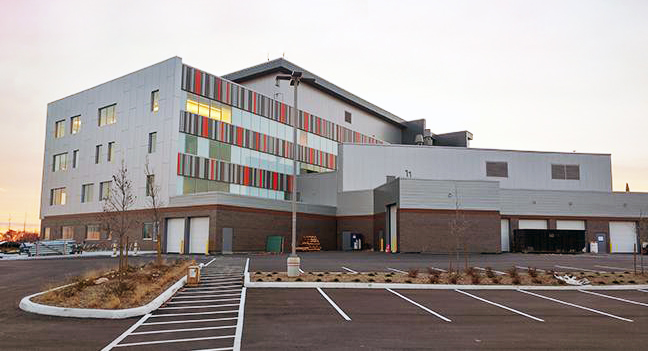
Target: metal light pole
x: 293, y: 261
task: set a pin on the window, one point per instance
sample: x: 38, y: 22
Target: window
x: 60, y: 162
x: 209, y: 108
x: 155, y: 100
x: 75, y: 124
x: 191, y: 144
x: 497, y: 169
x: 59, y: 129
x: 58, y: 196
x: 47, y: 233
x: 111, y: 151
x: 152, y: 141
x: 565, y: 172
x: 104, y: 190
x: 98, y: 154
x: 347, y: 116
x: 107, y: 115
x: 86, y: 192
x: 68, y: 232
x: 149, y: 231
x: 75, y: 158
x: 150, y: 183
x: 93, y: 232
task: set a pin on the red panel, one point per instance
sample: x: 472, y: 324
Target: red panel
x: 254, y: 101
x: 305, y: 121
x: 274, y: 180
x: 258, y: 141
x: 219, y: 90
x: 179, y: 163
x: 197, y: 81
x: 239, y: 136
x: 205, y: 127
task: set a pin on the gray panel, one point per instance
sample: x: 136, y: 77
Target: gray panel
x: 228, y: 240
x: 355, y: 203
x: 443, y: 194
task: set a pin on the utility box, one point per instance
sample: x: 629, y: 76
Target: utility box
x: 351, y: 241
x: 193, y: 276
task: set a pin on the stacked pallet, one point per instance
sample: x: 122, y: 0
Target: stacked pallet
x: 309, y: 243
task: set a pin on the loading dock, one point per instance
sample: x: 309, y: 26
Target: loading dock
x: 199, y: 235
x: 623, y: 237
x: 175, y: 235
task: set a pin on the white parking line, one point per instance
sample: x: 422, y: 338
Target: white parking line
x: 174, y: 340
x: 301, y: 271
x: 208, y: 284
x: 127, y: 332
x: 642, y: 290
x: 344, y: 315
x: 574, y: 305
x: 500, y: 306
x: 193, y: 321
x: 396, y: 270
x: 615, y: 298
x: 208, y: 292
x: 201, y: 296
x: 350, y: 270
x: 215, y: 287
x: 219, y: 279
x: 218, y: 349
x: 247, y: 265
x: 418, y: 305
x: 494, y: 271
x: 527, y: 268
x: 197, y: 301
x: 239, y: 324
x: 439, y: 269
x: 580, y: 269
x: 181, y: 330
x: 620, y: 268
x: 190, y: 313
x: 208, y: 263
x: 193, y: 307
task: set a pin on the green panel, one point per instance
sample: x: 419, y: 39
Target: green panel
x: 189, y: 185
x: 191, y: 144
x: 214, y: 149
x: 218, y: 186
x: 202, y: 185
x: 274, y: 243
x: 226, y: 152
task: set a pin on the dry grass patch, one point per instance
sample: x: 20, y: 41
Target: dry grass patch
x: 137, y: 286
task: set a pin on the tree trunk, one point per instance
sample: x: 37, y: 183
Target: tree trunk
x: 121, y: 253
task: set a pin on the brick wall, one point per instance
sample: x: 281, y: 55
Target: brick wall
x: 357, y: 224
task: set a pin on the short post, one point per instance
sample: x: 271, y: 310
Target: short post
x: 114, y: 254
x: 193, y: 275
x: 126, y: 255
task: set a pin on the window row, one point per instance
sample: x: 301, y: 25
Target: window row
x: 94, y: 232
x: 560, y: 172
x: 194, y: 185
x: 58, y: 196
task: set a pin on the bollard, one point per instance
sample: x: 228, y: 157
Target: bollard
x: 135, y: 249
x: 193, y: 275
x: 114, y: 254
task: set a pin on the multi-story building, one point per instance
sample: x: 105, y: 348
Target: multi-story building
x: 221, y: 152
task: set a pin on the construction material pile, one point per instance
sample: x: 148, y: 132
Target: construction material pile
x: 309, y: 243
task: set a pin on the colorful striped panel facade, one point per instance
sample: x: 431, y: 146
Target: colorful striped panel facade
x: 227, y: 133
x: 216, y: 88
x: 210, y: 169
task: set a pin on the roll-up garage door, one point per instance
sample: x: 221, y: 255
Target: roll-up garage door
x: 175, y: 235
x: 532, y: 224
x: 199, y: 235
x: 504, y: 239
x: 622, y: 236
x: 570, y: 225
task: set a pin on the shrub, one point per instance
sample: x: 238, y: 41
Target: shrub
x: 632, y: 282
x: 318, y: 280
x: 626, y: 272
x: 536, y: 281
x: 320, y: 275
x: 489, y: 272
x: 561, y: 282
x: 413, y: 273
x: 620, y: 275
x: 516, y: 280
x: 433, y: 279
x: 453, y: 278
x: 615, y: 282
x: 512, y: 272
x: 269, y: 275
x: 259, y: 280
x: 336, y: 280
x: 470, y: 271
x: 601, y: 283
x: 388, y: 280
x: 278, y: 279
x: 475, y: 279
x: 258, y: 273
x: 326, y: 272
x: 274, y: 272
x: 408, y: 281
x: 431, y: 270
x: 299, y: 280
x: 371, y: 280
x: 371, y: 274
x: 388, y: 275
x: 495, y: 280
x: 533, y: 272
x: 356, y: 280
x: 550, y: 272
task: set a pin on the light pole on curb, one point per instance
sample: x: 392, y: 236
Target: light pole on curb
x: 295, y: 79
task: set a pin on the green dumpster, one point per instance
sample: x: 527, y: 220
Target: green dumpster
x: 274, y: 243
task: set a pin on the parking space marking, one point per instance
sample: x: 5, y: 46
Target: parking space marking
x: 190, y: 313
x: 174, y: 340
x: 218, y: 284
x: 574, y: 305
x: 217, y: 300
x: 344, y: 315
x: 396, y: 270
x: 200, y: 296
x: 615, y: 298
x: 418, y: 305
x: 438, y: 269
x: 238, y: 337
x: 580, y: 269
x: 207, y: 292
x: 500, y: 306
x: 494, y: 271
x: 527, y: 268
x: 219, y: 279
x: 301, y: 271
x: 214, y: 287
x: 192, y: 307
x: 193, y: 321
x: 642, y: 290
x: 350, y: 270
x: 182, y: 330
x: 622, y: 269
x: 218, y: 349
x: 127, y: 332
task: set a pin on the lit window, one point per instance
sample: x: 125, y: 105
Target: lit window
x: 86, y: 192
x: 192, y: 106
x: 152, y: 141
x: 46, y: 235
x: 75, y: 124
x: 60, y: 162
x: 58, y: 196
x: 111, y: 151
x: 75, y: 158
x: 226, y: 114
x: 150, y: 183
x: 59, y: 129
x: 104, y: 190
x: 155, y: 100
x: 203, y: 109
x: 93, y: 232
x: 107, y: 115
x: 97, y: 154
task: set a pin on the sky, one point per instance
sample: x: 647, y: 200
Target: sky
x: 527, y: 75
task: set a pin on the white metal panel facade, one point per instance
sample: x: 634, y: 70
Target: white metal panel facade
x: 505, y: 240
x: 532, y: 224
x: 447, y: 194
x: 199, y: 235
x: 175, y: 235
x: 623, y: 237
x: 570, y: 225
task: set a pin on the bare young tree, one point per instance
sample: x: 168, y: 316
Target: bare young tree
x: 458, y: 228
x: 154, y: 203
x: 116, y: 205
x: 642, y: 234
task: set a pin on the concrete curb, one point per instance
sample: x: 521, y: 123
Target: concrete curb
x: 401, y: 286
x: 29, y: 306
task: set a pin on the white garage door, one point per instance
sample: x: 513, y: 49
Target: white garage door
x: 505, y: 235
x: 199, y: 235
x: 570, y: 225
x: 532, y: 224
x: 175, y: 235
x: 622, y: 236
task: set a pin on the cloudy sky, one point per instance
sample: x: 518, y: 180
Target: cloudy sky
x: 529, y: 75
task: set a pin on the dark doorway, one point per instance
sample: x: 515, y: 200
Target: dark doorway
x: 548, y: 240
